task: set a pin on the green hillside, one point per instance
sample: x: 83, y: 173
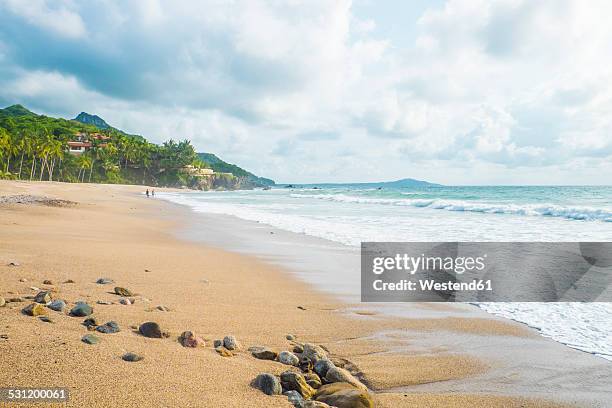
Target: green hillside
x: 220, y: 166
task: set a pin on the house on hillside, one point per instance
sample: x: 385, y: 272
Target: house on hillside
x: 82, y: 142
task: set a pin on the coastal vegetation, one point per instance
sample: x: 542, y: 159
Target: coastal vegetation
x: 86, y: 149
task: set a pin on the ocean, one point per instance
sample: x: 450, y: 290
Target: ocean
x: 352, y: 213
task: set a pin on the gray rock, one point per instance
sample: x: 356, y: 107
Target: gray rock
x: 90, y: 321
x: 263, y: 353
x: 230, y: 343
x: 57, y: 305
x: 218, y: 343
x: 288, y: 358
x: 45, y: 319
x: 337, y: 374
x: 90, y: 339
x: 104, y: 281
x: 43, y: 297
x: 131, y: 357
x: 151, y: 329
x: 295, y: 398
x: 298, y: 348
x: 290, y: 337
x: 314, y: 353
x: 268, y: 384
x: 322, y: 366
x: 109, y: 328
x: 81, y: 310
x: 125, y: 301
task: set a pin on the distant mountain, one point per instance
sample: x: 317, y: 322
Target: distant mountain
x: 403, y: 183
x: 17, y: 110
x: 95, y: 120
x: 221, y: 166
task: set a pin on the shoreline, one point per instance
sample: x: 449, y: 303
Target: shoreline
x: 214, y: 293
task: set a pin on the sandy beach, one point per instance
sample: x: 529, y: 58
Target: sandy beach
x: 115, y: 232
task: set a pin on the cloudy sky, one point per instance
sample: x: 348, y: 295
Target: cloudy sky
x: 455, y: 92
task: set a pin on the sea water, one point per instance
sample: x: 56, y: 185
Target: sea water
x: 350, y: 214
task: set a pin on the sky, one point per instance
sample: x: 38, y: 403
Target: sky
x: 454, y: 92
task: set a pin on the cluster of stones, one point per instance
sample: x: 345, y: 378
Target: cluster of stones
x: 313, y: 381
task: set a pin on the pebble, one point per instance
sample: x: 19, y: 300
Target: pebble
x: 131, y: 357
x: 57, y: 305
x: 290, y: 380
x: 162, y: 308
x: 189, y: 339
x: 322, y: 366
x: 34, y: 309
x: 81, y: 310
x: 104, y: 302
x: 152, y: 330
x: 224, y: 352
x: 295, y: 398
x: 123, y: 291
x: 268, y: 384
x: 290, y: 337
x: 45, y: 319
x: 337, y: 374
x: 23, y: 280
x: 47, y: 282
x: 288, y: 358
x: 90, y: 339
x: 230, y: 343
x: 13, y: 263
x: 2, y: 301
x: 15, y: 300
x: 109, y: 328
x: 69, y: 281
x: 264, y: 353
x: 217, y: 343
x: 125, y: 301
x: 104, y: 281
x: 90, y: 321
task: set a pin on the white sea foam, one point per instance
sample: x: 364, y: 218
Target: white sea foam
x: 344, y: 218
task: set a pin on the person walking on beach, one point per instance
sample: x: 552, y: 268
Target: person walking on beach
x: 147, y: 193
x: 152, y: 193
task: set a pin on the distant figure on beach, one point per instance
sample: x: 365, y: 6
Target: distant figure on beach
x: 152, y: 193
x: 147, y: 193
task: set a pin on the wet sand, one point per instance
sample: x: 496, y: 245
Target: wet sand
x: 115, y: 232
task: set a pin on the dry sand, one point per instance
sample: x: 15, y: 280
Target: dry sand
x: 116, y: 232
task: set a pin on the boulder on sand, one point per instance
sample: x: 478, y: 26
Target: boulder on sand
x: 313, y: 352
x: 288, y: 358
x: 263, y: 353
x: 34, y: 309
x: 43, y: 297
x: 152, y: 330
x: 189, y: 339
x: 123, y: 291
x: 339, y: 375
x: 344, y: 395
x: 230, y: 343
x: 268, y: 384
x: 290, y: 380
x: 81, y: 310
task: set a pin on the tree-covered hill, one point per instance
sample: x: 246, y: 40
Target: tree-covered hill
x: 221, y: 166
x: 39, y: 147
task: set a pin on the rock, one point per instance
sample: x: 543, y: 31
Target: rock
x: 152, y: 330
x: 34, y: 309
x: 224, y: 352
x: 104, y: 281
x: 344, y: 395
x: 313, y: 352
x: 131, y: 357
x: 43, y: 297
x: 230, y: 343
x: 298, y: 348
x: 23, y: 280
x: 57, y: 305
x: 69, y: 281
x: 290, y: 337
x: 337, y: 374
x: 45, y: 319
x: 2, y: 301
x: 295, y: 398
x: 109, y: 328
x: 162, y: 308
x: 291, y: 380
x: 47, y: 282
x: 90, y: 321
x: 322, y: 366
x: 288, y: 358
x: 125, y: 301
x: 264, y: 353
x: 305, y: 364
x: 268, y: 384
x: 301, y: 307
x: 90, y: 339
x: 313, y: 380
x: 189, y: 339
x: 123, y: 291
x: 81, y: 310
x: 15, y: 300
x: 315, y: 404
x: 13, y: 263
x: 104, y: 302
x: 217, y: 343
